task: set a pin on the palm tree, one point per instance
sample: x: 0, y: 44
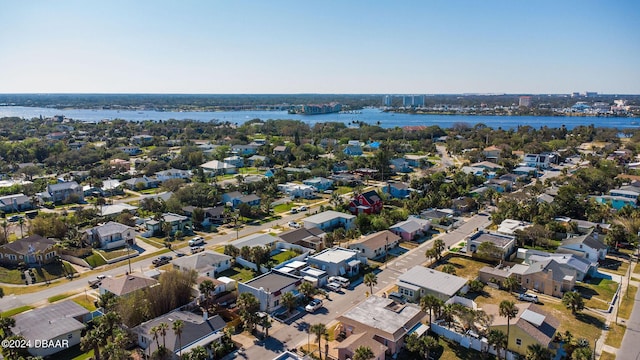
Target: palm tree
x: 6, y: 323
x: 4, y: 227
x: 509, y: 310
x: 573, y: 300
x: 248, y: 306
x: 431, y: 303
x: 318, y: 330
x: 363, y: 353
x: 177, y: 327
x: 21, y: 222
x: 198, y: 353
x: 449, y: 269
x: 162, y: 329
x: 448, y: 310
x: 538, y: 352
x: 370, y: 280
x: 92, y: 340
x: 289, y: 301
x: 156, y: 331
x: 510, y: 283
x: 206, y: 289
x: 498, y: 339
x: 307, y: 289
x: 430, y: 343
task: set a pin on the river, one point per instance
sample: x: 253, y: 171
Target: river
x: 369, y: 116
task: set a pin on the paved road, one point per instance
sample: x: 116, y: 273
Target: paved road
x: 630, y: 348
x: 295, y: 335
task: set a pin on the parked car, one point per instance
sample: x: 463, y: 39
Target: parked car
x: 334, y: 286
x: 302, y: 208
x: 528, y: 297
x: 162, y: 260
x: 340, y: 280
x: 101, y: 277
x: 15, y: 218
x: 314, y: 305
x: 294, y: 210
x: 396, y: 296
x: 198, y: 240
x: 293, y: 224
x: 197, y: 249
x: 329, y: 192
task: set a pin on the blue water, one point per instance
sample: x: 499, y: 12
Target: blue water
x: 369, y: 116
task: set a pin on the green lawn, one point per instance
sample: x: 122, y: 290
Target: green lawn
x: 53, y: 271
x: 281, y: 208
x: 341, y: 190
x: 86, y: 302
x: 59, y: 297
x: 284, y: 256
x: 465, y: 267
x: 450, y: 350
x: 627, y: 301
x: 607, y: 356
x: 112, y: 254
x: 238, y: 273
x: 95, y: 260
x: 598, y: 294
x: 73, y: 353
x: 9, y: 276
x: 615, y: 335
x: 16, y: 311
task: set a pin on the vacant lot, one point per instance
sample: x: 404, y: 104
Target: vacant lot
x: 465, y: 267
x: 238, y: 273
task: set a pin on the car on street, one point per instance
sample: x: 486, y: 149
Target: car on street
x: 334, y: 286
x: 302, y: 208
x: 196, y: 249
x: 198, y: 240
x: 314, y: 305
x: 162, y: 260
x: 293, y: 224
x: 294, y: 210
x: 528, y: 297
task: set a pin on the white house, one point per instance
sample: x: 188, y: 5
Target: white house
x: 269, y: 288
x: 329, y: 220
x: 111, y: 235
x: 207, y: 263
x: 376, y: 245
x: 420, y: 281
x: 588, y: 246
x: 165, y: 175
x: 216, y: 167
x: 297, y: 190
x: 505, y: 243
x: 338, y: 261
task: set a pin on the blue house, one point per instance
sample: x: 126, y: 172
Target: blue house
x: 236, y: 198
x: 401, y: 165
x: 397, y: 190
x: 245, y: 150
x: 353, y: 150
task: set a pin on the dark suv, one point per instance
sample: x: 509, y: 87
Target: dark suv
x: 161, y: 260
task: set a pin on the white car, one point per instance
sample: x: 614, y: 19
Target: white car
x: 314, y: 305
x: 293, y: 224
x: 334, y: 286
x: 197, y: 249
x: 528, y: 297
x: 302, y: 208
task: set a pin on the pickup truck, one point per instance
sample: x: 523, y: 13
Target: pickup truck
x: 161, y: 260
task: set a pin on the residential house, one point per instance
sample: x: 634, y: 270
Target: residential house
x: 353, y: 149
x: 619, y: 198
x: 165, y: 175
x: 412, y: 228
x: 329, y: 220
x: 437, y: 216
x: 500, y: 186
x: 258, y: 161
x: 235, y: 160
x: 367, y: 203
x: 488, y: 165
x: 588, y: 246
x: 311, y: 238
x: 141, y: 183
x: 296, y: 170
x: 320, y: 184
x: 478, y: 171
x: 212, y: 215
x: 215, y: 167
x: 546, y: 276
x: 525, y: 171
x: 111, y: 235
x: 346, y: 179
x: 269, y: 288
x: 236, y: 198
x: 531, y: 325
x: 197, y: 330
x: 347, y: 348
x: 125, y: 285
x: 220, y: 285
x: 245, y: 150
x: 386, y: 321
x: 56, y: 136
x: 281, y: 151
x: 123, y: 165
x: 296, y: 191
x: 340, y: 167
x: 257, y: 239
x: 15, y: 203
x: 539, y: 161
x: 337, y: 261
x: 398, y: 190
x: 420, y: 281
x: 130, y: 150
x: 492, y: 153
x: 61, y: 322
x: 177, y: 223
x: 206, y: 263
x: 416, y: 161
x: 510, y: 226
x: 142, y: 140
x: 65, y: 192
x: 32, y: 250
x: 376, y: 245
x: 400, y: 165
x: 505, y: 243
x: 582, y: 266
x: 116, y: 209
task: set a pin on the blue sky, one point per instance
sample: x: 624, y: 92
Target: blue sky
x: 328, y: 46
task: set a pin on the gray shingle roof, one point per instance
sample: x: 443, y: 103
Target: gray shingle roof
x: 51, y: 321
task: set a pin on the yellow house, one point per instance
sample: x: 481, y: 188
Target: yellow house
x: 532, y: 325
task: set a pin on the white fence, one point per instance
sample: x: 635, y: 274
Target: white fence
x: 468, y: 341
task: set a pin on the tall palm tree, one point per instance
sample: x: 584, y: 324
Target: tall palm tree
x: 307, y: 289
x: 162, y: 329
x: 498, y: 339
x: 509, y: 310
x: 370, y: 280
x: 573, y: 300
x: 177, y: 327
x: 363, y: 353
x: 21, y: 222
x: 538, y: 352
x: 92, y: 340
x: 430, y: 302
x: 155, y: 331
x: 510, y: 283
x: 289, y: 301
x: 206, y: 289
x: 318, y: 330
x: 448, y: 310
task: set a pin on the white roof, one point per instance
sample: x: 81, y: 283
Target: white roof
x: 432, y: 280
x: 217, y: 165
x: 335, y: 255
x: 107, y: 210
x: 533, y: 317
x: 254, y: 240
x: 328, y: 216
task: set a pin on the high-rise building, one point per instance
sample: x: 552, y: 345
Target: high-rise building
x: 387, y: 100
x: 413, y: 100
x: 525, y: 101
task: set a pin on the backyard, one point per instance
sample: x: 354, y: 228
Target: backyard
x: 284, y: 256
x: 238, y: 273
x: 598, y: 292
